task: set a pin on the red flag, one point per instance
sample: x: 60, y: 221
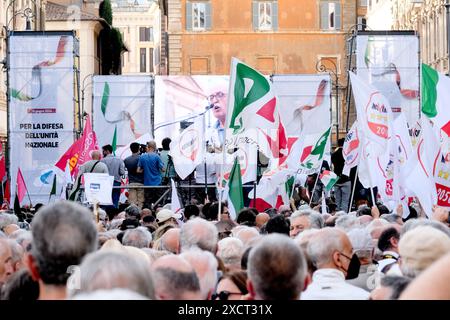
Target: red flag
x: 21, y: 186
x: 80, y: 151
x: 2, y: 164
x: 70, y: 155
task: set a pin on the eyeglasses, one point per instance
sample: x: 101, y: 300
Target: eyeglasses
x: 218, y: 95
x: 223, y: 295
x: 349, y: 258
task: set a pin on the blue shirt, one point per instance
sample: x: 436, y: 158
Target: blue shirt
x: 220, y: 131
x: 151, y: 164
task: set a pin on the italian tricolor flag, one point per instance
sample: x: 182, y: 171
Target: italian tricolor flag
x: 235, y: 191
x: 313, y: 153
x: 328, y: 179
x: 436, y: 98
x: 253, y: 111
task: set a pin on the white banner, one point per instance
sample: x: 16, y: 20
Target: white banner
x: 304, y: 102
x: 300, y: 99
x: 98, y: 188
x: 180, y: 98
x: 41, y: 108
x: 121, y: 104
x: 390, y: 62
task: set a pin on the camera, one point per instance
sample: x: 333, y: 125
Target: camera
x: 142, y: 148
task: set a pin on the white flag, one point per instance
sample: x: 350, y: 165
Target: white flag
x: 374, y: 114
x: 175, y: 204
x: 420, y: 181
x: 351, y: 148
x: 187, y: 150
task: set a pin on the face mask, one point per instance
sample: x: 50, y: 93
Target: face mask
x: 353, y: 268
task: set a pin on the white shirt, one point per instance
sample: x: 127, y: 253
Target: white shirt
x: 330, y: 284
x: 387, y: 260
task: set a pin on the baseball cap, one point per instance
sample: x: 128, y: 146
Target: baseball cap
x: 165, y: 214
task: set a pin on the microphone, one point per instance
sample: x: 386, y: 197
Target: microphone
x: 209, y: 107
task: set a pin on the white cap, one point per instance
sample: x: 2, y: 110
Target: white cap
x: 165, y: 214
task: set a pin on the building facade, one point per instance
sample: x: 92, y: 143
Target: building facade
x: 428, y: 17
x: 87, y: 29
x: 380, y: 14
x: 139, y: 23
x: 274, y: 36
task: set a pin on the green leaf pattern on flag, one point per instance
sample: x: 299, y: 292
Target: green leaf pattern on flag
x: 105, y: 98
x: 235, y: 193
x: 430, y: 79
x: 114, y: 140
x: 259, y: 88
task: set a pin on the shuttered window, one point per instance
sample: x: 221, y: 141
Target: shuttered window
x: 330, y: 15
x: 198, y: 16
x: 265, y: 15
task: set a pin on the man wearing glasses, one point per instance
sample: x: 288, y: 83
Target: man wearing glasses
x: 218, y: 104
x: 215, y: 136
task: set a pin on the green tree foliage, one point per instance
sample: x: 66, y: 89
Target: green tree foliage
x: 105, y: 11
x: 111, y: 42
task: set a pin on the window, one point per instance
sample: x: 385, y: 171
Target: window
x: 362, y: 23
x: 145, y: 34
x: 198, y: 16
x: 150, y: 59
x: 330, y: 15
x: 265, y: 15
x: 143, y: 60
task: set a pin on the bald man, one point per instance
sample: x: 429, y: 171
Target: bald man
x: 94, y: 166
x: 170, y: 240
x: 261, y: 219
x: 175, y: 279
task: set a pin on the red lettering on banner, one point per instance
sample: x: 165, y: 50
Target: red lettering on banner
x: 379, y: 129
x: 389, y: 188
x: 443, y: 195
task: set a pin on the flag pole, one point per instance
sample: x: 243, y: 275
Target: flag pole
x: 230, y: 108
x: 29, y: 198
x: 255, y: 183
x: 204, y: 158
x: 315, y: 183
x: 371, y: 184
x: 353, y: 191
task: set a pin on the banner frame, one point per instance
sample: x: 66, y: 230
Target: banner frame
x: 12, y: 33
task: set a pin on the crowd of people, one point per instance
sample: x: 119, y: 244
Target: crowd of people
x: 69, y: 251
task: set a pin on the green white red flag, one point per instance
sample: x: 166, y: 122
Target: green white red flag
x: 235, y: 190
x: 253, y: 114
x: 329, y: 179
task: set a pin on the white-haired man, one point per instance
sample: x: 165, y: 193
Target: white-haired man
x: 108, y: 269
x: 364, y: 248
x: 304, y: 220
x: 332, y: 254
x: 199, y: 233
x: 231, y: 251
x: 205, y: 266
